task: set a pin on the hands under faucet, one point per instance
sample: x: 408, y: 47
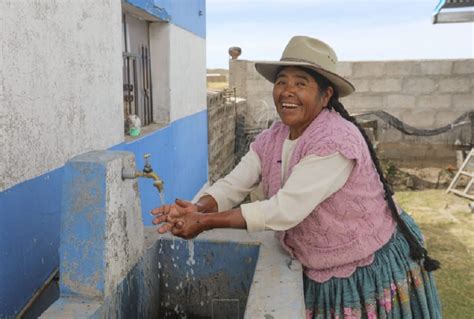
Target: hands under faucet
x: 187, y: 220
x: 182, y: 219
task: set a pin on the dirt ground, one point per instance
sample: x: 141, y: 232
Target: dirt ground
x: 217, y: 86
x: 406, y: 179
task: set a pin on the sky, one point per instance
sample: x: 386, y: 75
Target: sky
x: 358, y: 30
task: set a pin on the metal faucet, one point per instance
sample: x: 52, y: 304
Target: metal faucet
x: 147, y: 172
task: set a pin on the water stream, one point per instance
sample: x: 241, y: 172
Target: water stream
x: 162, y: 197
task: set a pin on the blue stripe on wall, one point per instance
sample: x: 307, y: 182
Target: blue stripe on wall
x: 30, y: 211
x: 29, y: 238
x: 149, y: 7
x: 178, y: 155
x: 187, y: 14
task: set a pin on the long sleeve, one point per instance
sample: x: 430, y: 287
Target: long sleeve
x: 312, y: 180
x: 233, y: 188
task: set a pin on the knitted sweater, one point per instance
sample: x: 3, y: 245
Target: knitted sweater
x: 345, y: 230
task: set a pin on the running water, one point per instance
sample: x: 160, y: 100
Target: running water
x: 190, y: 260
x: 162, y: 197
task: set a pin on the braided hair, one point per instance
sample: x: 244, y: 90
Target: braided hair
x: 417, y: 251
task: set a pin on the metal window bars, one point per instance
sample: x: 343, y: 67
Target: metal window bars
x: 137, y: 85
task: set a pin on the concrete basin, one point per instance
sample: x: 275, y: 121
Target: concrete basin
x: 205, y: 279
x: 113, y: 267
x: 187, y: 279
x: 275, y: 289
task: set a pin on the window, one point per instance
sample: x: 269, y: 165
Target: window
x: 137, y: 89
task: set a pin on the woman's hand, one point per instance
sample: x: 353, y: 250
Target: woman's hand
x: 185, y: 220
x: 182, y: 219
x: 161, y: 214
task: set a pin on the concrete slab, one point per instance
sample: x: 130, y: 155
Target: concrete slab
x: 72, y: 307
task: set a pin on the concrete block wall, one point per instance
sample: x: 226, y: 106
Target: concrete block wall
x: 256, y: 90
x: 221, y: 132
x: 258, y: 111
x: 425, y: 94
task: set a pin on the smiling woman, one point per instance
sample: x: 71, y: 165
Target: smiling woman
x: 298, y: 99
x: 325, y: 196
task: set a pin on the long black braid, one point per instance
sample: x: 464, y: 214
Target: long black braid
x: 417, y: 251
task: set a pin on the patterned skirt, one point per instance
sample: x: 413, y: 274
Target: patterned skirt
x: 393, y: 286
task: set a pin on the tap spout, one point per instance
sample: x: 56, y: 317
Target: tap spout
x: 157, y: 181
x: 146, y: 173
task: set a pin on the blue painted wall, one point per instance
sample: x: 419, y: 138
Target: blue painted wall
x: 187, y: 14
x: 149, y: 7
x: 83, y: 225
x: 178, y: 155
x: 30, y: 211
x: 29, y: 238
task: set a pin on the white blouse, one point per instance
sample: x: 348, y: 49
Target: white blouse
x: 312, y: 180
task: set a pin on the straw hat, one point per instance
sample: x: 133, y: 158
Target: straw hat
x: 308, y: 53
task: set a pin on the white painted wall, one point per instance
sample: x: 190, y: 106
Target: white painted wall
x: 160, y: 70
x: 187, y: 73
x: 61, y: 83
x: 178, y: 72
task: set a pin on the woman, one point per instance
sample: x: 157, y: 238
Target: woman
x: 326, y: 197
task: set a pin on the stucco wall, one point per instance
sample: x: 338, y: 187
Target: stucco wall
x: 160, y: 70
x: 425, y: 94
x: 61, y: 78
x: 179, y: 76
x: 61, y: 95
x: 187, y: 73
x: 256, y: 90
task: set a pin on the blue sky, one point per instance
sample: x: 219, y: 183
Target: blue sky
x: 356, y: 29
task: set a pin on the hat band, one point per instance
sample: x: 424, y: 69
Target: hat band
x: 300, y: 60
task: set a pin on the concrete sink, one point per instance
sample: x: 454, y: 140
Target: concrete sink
x: 187, y: 279
x: 113, y: 267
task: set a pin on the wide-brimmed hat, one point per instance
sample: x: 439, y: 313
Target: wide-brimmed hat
x: 308, y: 53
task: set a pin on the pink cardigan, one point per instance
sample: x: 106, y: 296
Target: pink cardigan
x: 345, y: 230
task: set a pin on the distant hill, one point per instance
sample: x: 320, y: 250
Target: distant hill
x: 218, y: 71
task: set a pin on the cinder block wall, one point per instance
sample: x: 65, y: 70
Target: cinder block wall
x: 425, y: 94
x: 249, y: 85
x: 221, y: 134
